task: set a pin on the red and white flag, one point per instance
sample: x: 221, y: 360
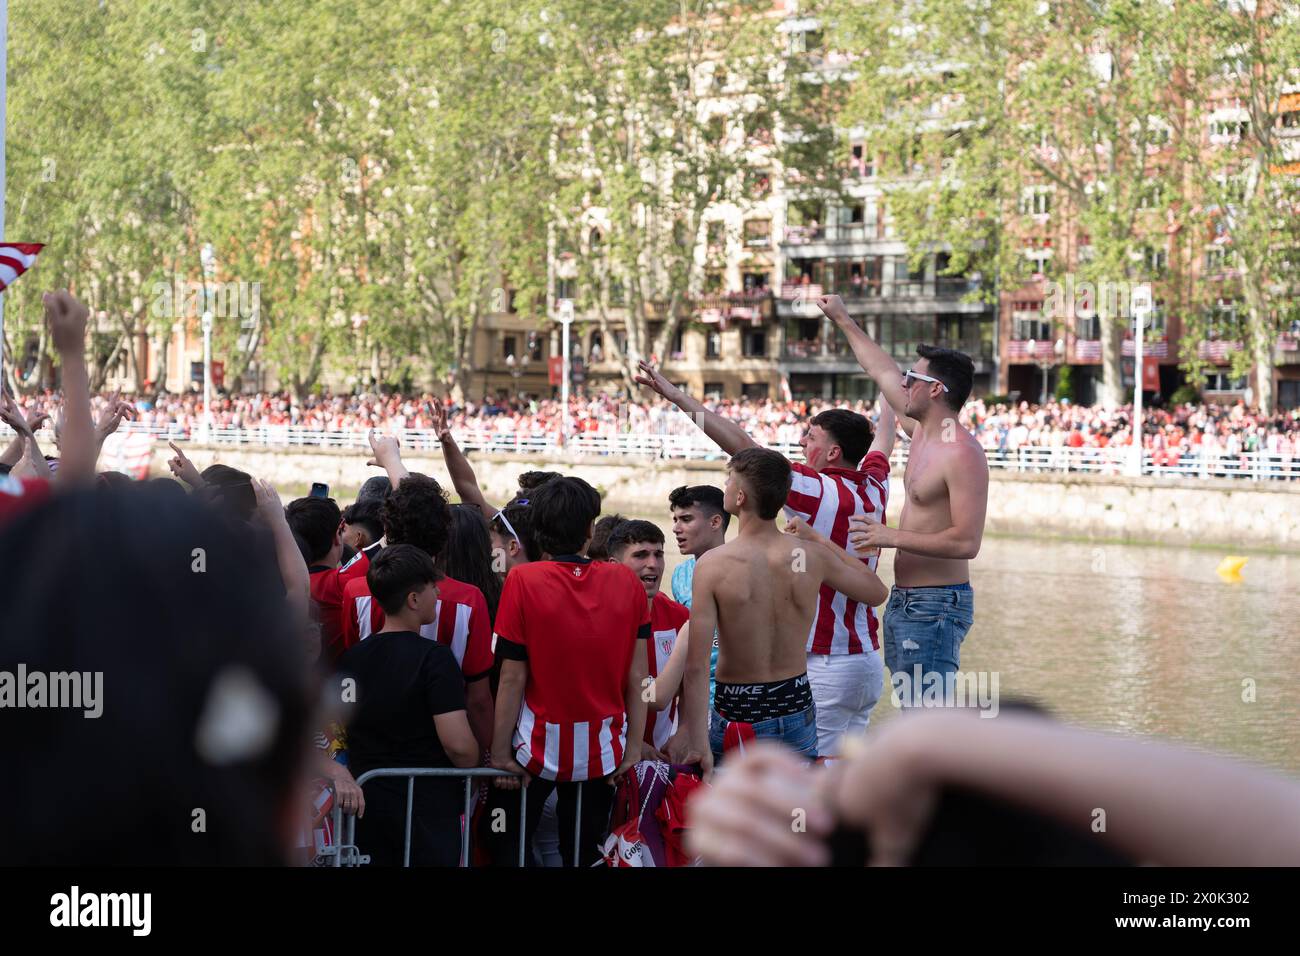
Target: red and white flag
x: 15, y: 259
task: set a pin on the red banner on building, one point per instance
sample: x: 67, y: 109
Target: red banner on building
x: 555, y: 370
x: 1150, y: 373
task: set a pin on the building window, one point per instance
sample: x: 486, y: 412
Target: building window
x: 755, y: 282
x: 860, y: 162
x: 566, y: 288
x: 509, y: 345
x: 679, y: 343
x: 1027, y: 322
x: 617, y: 292
x: 1216, y: 259
x: 713, y: 281
x: 1036, y: 201
x: 712, y: 344
x: 713, y: 390
x: 758, y: 232
x: 717, y: 235
x: 1223, y: 382
x: 1151, y: 196
x: 755, y: 343
x: 1155, y: 261
x: 755, y: 391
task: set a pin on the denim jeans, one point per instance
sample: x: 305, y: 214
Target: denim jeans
x: 798, y: 731
x: 924, y: 628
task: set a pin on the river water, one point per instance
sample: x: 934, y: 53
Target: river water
x: 1145, y: 640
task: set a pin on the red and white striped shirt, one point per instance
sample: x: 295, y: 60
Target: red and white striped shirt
x: 462, y: 623
x: 576, y: 623
x: 667, y: 618
x: 826, y: 500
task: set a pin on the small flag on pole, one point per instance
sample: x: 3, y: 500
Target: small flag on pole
x: 15, y: 259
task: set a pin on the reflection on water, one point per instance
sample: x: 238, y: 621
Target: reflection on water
x: 1137, y: 639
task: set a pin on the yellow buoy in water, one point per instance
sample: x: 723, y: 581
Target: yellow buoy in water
x: 1230, y: 567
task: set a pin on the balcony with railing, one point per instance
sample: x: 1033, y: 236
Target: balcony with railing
x: 857, y: 289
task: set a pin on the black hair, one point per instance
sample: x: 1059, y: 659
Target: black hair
x: 955, y: 369
x: 468, y: 557
x: 396, y: 571
x: 520, y: 517
x: 368, y: 514
x: 563, y: 510
x: 530, y: 480
x: 120, y: 550
x: 705, y: 497
x: 375, y: 488
x: 634, y: 531
x: 230, y: 489
x: 112, y: 479
x: 598, y: 550
x: 316, y: 520
x: 167, y: 486
x: 767, y: 476
x: 416, y: 512
x: 851, y: 431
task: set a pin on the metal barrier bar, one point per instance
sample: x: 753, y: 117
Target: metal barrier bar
x: 346, y: 853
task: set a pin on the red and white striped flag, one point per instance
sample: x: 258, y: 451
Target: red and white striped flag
x: 15, y: 259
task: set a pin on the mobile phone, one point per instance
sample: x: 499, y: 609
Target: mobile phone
x: 319, y: 489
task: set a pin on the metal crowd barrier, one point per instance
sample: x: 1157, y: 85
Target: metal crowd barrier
x: 345, y: 852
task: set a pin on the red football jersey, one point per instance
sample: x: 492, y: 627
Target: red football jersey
x: 667, y: 618
x: 462, y: 623
x: 578, y: 622
x: 826, y: 500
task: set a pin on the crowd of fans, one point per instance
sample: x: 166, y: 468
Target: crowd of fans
x: 1170, y: 433
x: 223, y: 631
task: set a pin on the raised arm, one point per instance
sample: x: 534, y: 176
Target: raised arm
x: 110, y: 418
x: 843, y: 572
x: 874, y: 360
x: 67, y: 320
x: 387, y: 454
x: 24, y: 442
x: 695, y: 680
x: 458, y: 466
x: 293, y: 569
x: 729, y: 436
x: 887, y: 429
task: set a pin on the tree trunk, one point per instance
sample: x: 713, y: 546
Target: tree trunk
x: 1261, y: 341
x: 1111, y: 391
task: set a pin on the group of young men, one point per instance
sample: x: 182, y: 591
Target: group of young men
x: 583, y: 666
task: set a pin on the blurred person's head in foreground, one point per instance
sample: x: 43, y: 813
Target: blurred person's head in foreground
x: 190, y: 699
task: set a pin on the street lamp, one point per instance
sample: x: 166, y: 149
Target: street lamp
x: 207, y: 375
x: 516, y: 367
x: 565, y: 315
x: 1047, y: 361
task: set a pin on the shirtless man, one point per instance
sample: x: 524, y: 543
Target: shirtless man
x: 761, y: 591
x: 947, y: 483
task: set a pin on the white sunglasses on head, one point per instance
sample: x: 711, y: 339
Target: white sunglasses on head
x: 909, y: 374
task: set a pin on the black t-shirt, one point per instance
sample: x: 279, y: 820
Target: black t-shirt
x: 402, y: 681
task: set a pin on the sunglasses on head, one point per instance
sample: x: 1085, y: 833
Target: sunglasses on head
x: 909, y: 375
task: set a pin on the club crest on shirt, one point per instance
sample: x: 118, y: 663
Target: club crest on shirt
x: 666, y: 645
x: 577, y: 572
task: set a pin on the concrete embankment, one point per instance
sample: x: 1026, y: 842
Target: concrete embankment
x: 1175, y: 511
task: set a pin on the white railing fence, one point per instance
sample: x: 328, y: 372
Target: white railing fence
x: 694, y: 446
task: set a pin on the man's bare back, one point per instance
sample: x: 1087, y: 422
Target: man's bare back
x: 927, y: 506
x: 764, y: 586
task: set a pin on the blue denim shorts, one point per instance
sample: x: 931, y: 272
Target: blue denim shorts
x: 797, y: 731
x: 924, y: 628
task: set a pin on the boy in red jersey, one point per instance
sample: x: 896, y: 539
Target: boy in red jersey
x: 639, y: 545
x: 569, y: 713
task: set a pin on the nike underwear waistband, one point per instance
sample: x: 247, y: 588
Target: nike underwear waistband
x: 752, y: 703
